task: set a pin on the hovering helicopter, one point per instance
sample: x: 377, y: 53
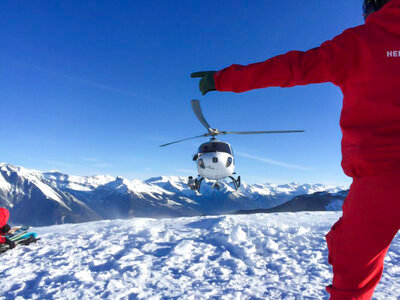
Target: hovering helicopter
x: 215, y: 159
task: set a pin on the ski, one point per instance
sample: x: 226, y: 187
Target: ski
x: 20, y: 236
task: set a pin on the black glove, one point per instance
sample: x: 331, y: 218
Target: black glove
x: 207, y: 82
x: 10, y: 243
x: 6, y: 228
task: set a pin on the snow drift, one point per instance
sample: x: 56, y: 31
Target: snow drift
x: 262, y: 256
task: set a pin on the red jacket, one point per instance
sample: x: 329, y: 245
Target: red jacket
x: 364, y: 62
x: 4, y: 215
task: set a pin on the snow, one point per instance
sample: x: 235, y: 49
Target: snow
x: 77, y: 183
x: 34, y: 177
x: 77, y: 199
x: 262, y: 256
x: 4, y: 185
x: 335, y: 205
x: 47, y: 191
x: 273, y: 189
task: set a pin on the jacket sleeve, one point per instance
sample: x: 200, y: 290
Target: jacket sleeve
x: 331, y: 62
x: 2, y: 240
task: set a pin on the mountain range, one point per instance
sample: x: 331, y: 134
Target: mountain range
x: 45, y: 198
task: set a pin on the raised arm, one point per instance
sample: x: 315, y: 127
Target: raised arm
x: 331, y: 62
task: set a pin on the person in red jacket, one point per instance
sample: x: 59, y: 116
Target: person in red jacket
x: 4, y: 227
x: 364, y: 62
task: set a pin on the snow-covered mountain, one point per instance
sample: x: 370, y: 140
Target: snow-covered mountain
x: 45, y: 198
x: 319, y: 201
x: 262, y: 256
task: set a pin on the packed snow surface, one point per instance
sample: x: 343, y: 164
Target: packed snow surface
x: 263, y: 256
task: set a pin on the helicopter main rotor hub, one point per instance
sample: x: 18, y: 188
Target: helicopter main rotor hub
x: 214, y: 132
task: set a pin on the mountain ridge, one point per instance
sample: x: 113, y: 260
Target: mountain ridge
x: 46, y: 198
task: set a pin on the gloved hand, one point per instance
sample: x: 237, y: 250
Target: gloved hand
x: 207, y: 82
x: 6, y: 228
x: 10, y: 243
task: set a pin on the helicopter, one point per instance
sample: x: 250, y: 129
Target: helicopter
x: 215, y: 159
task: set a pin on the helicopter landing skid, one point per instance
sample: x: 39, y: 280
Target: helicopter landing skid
x: 236, y: 182
x: 216, y: 185
x: 194, y: 184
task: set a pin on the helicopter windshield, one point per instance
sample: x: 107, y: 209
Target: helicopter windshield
x: 215, y: 147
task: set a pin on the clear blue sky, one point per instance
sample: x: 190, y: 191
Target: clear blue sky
x: 94, y: 87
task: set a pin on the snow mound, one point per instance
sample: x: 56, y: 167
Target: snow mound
x: 263, y: 256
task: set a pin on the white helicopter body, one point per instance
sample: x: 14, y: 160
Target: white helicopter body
x: 215, y: 160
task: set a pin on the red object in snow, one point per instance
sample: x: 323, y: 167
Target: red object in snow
x: 4, y: 215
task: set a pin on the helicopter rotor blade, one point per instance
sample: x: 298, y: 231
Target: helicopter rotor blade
x: 203, y: 135
x: 260, y: 132
x: 199, y: 114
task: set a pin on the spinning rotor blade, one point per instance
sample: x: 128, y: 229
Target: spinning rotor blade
x: 203, y: 135
x: 199, y: 114
x: 260, y: 132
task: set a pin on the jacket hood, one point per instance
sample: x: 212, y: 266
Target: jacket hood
x: 4, y: 215
x: 388, y: 16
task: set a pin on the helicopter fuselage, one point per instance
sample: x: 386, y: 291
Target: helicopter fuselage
x: 215, y: 165
x: 215, y: 160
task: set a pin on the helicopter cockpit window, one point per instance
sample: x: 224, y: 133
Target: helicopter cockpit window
x: 215, y: 147
x: 222, y: 147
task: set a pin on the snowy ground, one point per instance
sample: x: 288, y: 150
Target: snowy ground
x: 264, y: 256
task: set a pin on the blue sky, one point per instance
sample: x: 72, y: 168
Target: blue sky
x: 94, y: 87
